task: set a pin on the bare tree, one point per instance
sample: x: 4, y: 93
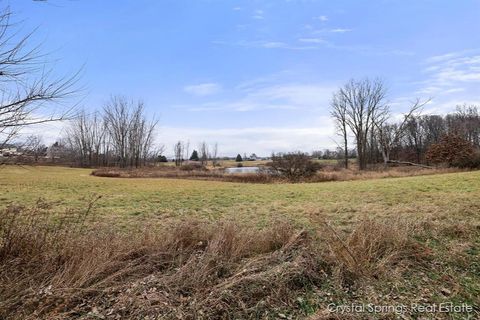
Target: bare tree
x: 178, y: 150
x: 187, y: 150
x: 117, y: 122
x: 140, y: 136
x: 59, y: 152
x: 339, y: 115
x: 203, y: 150
x: 466, y: 123
x: 157, y: 153
x: 364, y: 103
x: 34, y: 146
x: 214, y: 154
x: 28, y: 85
x: 85, y: 136
x: 390, y: 134
x: 130, y: 133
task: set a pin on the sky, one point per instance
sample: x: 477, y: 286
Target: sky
x: 257, y: 76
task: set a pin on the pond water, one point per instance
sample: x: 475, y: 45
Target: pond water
x: 242, y: 170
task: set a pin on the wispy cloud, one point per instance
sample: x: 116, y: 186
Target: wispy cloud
x: 443, y: 106
x: 258, y: 15
x: 451, y: 73
x: 340, y: 30
x: 331, y: 30
x: 260, y: 96
x: 301, y: 96
x: 273, y: 44
x: 265, y: 44
x: 312, y: 40
x: 451, y: 79
x: 203, y: 89
x: 315, y: 43
x: 322, y: 18
x: 240, y: 105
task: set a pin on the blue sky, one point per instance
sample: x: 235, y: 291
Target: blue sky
x: 257, y: 76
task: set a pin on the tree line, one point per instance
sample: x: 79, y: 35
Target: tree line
x: 118, y: 135
x: 204, y: 154
x: 360, y: 111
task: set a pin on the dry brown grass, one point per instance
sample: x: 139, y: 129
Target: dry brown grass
x: 329, y: 173
x: 177, y: 173
x: 375, y: 249
x: 339, y: 174
x: 60, y: 267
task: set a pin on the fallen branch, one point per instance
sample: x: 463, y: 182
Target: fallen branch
x: 411, y: 164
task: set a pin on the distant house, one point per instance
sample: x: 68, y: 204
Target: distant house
x: 9, y: 152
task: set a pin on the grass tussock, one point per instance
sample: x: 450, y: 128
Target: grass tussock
x: 61, y: 267
x: 375, y: 249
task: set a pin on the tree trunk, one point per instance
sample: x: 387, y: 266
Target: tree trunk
x: 411, y: 164
x: 345, y: 144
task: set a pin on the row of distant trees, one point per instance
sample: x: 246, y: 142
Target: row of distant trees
x: 421, y: 134
x: 360, y: 110
x: 204, y: 154
x: 120, y: 134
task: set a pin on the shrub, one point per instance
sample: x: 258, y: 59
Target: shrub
x: 293, y: 166
x: 472, y: 162
x: 452, y: 150
x: 193, y: 166
x: 105, y: 173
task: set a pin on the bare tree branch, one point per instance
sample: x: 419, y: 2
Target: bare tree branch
x: 27, y: 87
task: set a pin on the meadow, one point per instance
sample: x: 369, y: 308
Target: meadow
x: 392, y: 240
x: 444, y: 196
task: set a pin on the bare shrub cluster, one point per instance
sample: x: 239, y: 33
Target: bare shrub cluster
x: 293, y: 166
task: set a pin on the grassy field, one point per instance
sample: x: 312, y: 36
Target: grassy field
x: 448, y: 196
x: 412, y: 239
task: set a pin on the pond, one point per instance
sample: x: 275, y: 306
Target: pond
x: 242, y: 170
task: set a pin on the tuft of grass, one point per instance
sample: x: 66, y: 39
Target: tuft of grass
x: 375, y: 249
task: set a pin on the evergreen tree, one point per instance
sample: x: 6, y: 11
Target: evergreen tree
x: 194, y: 156
x: 239, y: 158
